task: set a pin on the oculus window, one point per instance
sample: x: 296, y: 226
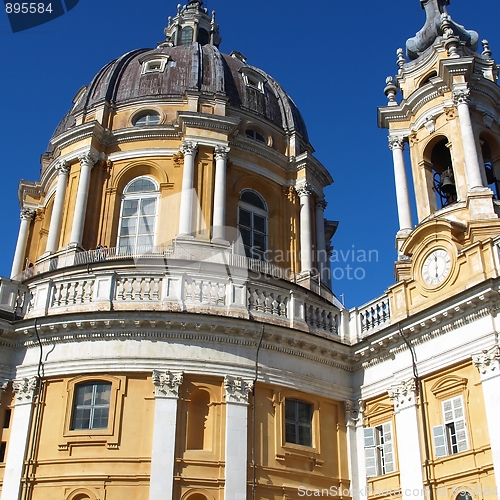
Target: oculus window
x: 146, y: 118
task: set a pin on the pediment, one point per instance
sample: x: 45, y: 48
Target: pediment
x: 449, y: 386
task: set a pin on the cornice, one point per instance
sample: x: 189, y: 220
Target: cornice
x: 135, y: 134
x: 217, y: 123
x: 92, y: 129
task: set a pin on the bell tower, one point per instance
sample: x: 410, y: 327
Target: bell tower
x: 443, y: 105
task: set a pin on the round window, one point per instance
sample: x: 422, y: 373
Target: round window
x: 146, y: 118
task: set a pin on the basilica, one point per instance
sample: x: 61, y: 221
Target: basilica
x: 169, y: 331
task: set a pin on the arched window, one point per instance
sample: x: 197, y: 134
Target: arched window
x: 91, y: 405
x: 186, y: 35
x: 252, y: 224
x: 444, y: 177
x: 256, y: 136
x: 138, y: 215
x: 202, y: 36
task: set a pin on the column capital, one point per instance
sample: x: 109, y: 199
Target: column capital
x: 24, y: 389
x: 27, y: 214
x: 461, y: 96
x: 237, y: 389
x: 304, y: 189
x: 188, y: 148
x: 353, y: 412
x: 63, y: 167
x: 321, y: 203
x: 488, y: 361
x: 88, y: 159
x: 167, y: 384
x: 221, y: 152
x: 396, y: 142
x: 403, y: 394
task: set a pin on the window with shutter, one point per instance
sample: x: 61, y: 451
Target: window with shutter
x: 379, y: 453
x: 451, y: 438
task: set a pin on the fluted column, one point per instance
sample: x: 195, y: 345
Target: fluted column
x: 396, y: 145
x: 188, y: 149
x: 411, y: 477
x: 461, y: 98
x: 24, y: 389
x: 22, y: 239
x: 87, y: 161
x: 321, y: 252
x: 63, y: 169
x: 219, y: 218
x: 237, y: 390
x: 488, y: 364
x: 305, y: 191
x: 167, y: 386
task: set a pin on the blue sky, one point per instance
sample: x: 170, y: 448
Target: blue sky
x: 332, y: 57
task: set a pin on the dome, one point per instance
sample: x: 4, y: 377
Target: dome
x: 189, y: 68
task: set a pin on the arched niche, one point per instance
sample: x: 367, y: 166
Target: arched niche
x: 200, y: 421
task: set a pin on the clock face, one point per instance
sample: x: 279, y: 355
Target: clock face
x: 436, y: 267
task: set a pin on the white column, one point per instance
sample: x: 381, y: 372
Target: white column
x: 488, y: 364
x: 305, y: 191
x: 87, y: 161
x: 355, y: 449
x: 22, y: 239
x: 322, y: 256
x: 167, y: 386
x: 188, y: 149
x: 237, y: 390
x: 461, y: 97
x: 411, y: 477
x: 219, y: 218
x: 24, y: 390
x: 396, y: 145
x: 63, y: 169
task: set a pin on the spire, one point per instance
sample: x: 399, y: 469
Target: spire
x: 192, y: 24
x: 436, y: 16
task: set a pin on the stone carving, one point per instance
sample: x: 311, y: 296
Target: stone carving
x: 237, y: 389
x: 167, y: 384
x: 63, y: 167
x: 27, y: 213
x: 290, y: 193
x: 488, y: 360
x: 430, y: 125
x: 461, y: 96
x: 221, y: 152
x: 396, y: 142
x: 88, y: 159
x: 304, y: 189
x: 188, y: 148
x: 352, y: 412
x: 321, y: 203
x: 24, y: 389
x: 434, y: 10
x: 403, y: 394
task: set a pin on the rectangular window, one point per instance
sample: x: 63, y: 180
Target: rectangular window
x: 91, y: 406
x: 298, y: 422
x: 3, y: 446
x: 6, y: 418
x: 379, y: 455
x: 451, y: 437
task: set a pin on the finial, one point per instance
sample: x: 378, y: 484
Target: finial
x: 486, y: 49
x: 390, y: 91
x: 169, y: 21
x: 401, y: 58
x: 213, y: 16
x: 437, y: 15
x: 451, y: 41
x: 179, y: 9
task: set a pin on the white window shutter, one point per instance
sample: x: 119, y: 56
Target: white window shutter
x: 388, y: 448
x: 460, y: 427
x: 370, y: 438
x: 448, y: 411
x: 371, y: 461
x: 440, y: 443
